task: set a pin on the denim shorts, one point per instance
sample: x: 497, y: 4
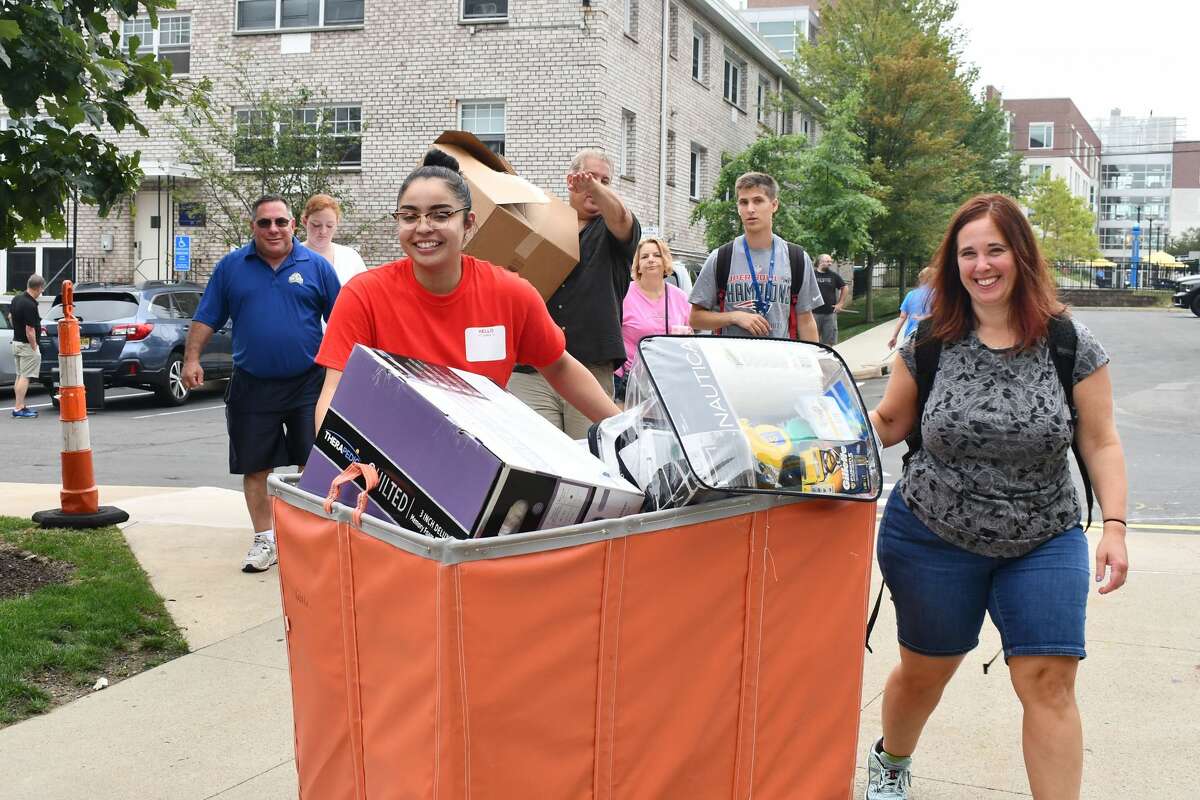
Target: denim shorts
x: 1037, y: 601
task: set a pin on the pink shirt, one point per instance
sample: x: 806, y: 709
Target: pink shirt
x: 641, y: 317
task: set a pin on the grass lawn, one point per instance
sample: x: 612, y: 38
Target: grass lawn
x: 887, y: 307
x: 105, y: 620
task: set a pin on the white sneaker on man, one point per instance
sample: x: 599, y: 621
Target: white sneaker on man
x: 262, y: 554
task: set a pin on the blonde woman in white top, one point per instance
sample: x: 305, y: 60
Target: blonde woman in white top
x: 320, y: 220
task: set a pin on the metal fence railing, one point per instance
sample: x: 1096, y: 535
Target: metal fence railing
x: 1149, y: 276
x: 1066, y: 274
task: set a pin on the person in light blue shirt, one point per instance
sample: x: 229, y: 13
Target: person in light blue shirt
x: 913, y: 309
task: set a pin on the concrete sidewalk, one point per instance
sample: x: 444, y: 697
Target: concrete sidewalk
x: 216, y: 723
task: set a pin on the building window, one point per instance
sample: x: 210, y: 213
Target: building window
x: 268, y: 15
x: 1136, y: 176
x: 628, y: 143
x: 782, y: 35
x: 671, y: 155
x: 696, y: 169
x: 1078, y: 145
x: 1112, y: 238
x: 786, y: 117
x: 172, y: 42
x: 700, y: 55
x: 1036, y: 171
x: 1041, y: 135
x: 764, y: 99
x: 339, y: 127
x: 673, y: 30
x: 735, y: 72
x: 1118, y: 207
x: 631, y: 18
x: 485, y: 119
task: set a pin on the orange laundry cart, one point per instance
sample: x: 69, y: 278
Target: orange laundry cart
x: 713, y: 651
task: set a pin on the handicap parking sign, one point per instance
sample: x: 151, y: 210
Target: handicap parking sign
x: 183, y: 253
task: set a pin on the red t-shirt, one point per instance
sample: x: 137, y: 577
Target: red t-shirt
x: 492, y: 320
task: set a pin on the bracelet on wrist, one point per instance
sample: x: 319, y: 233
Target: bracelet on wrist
x: 1114, y: 519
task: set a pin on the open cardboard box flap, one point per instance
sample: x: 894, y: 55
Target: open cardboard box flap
x: 517, y: 225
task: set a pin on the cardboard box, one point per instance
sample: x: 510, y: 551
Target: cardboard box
x: 517, y: 225
x: 457, y: 455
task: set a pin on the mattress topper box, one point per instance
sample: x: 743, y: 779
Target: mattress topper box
x: 457, y: 455
x: 517, y: 225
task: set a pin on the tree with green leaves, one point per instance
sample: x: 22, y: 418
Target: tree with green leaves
x: 838, y: 198
x: 778, y: 156
x: 928, y: 142
x: 1184, y: 243
x: 66, y: 78
x: 1066, y: 227
x: 266, y: 141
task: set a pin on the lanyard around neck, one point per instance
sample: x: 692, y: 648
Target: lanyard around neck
x: 760, y: 305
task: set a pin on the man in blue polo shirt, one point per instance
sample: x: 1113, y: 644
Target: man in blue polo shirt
x: 276, y: 291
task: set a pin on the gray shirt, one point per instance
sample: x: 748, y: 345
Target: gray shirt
x: 992, y: 475
x: 739, y: 293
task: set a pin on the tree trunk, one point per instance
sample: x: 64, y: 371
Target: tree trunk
x: 903, y: 274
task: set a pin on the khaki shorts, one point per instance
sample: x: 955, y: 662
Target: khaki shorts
x: 28, y: 361
x: 538, y: 394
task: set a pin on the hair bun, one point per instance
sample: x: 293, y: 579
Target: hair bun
x: 439, y: 158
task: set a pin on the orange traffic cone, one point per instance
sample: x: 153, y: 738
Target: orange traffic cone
x: 79, y: 497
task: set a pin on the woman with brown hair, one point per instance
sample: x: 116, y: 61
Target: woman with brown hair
x: 985, y: 517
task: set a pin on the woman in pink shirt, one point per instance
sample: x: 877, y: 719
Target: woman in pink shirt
x: 652, y: 305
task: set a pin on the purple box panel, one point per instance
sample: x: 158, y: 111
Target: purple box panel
x: 454, y: 469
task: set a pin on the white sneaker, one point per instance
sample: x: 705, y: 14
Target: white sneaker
x: 261, y: 556
x: 887, y: 779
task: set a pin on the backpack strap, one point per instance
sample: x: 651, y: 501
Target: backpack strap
x: 724, y: 260
x: 796, y: 259
x: 927, y: 352
x: 1063, y: 342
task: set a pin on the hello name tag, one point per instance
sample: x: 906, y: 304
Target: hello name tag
x: 486, y: 344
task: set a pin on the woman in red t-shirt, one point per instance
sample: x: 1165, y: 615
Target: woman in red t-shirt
x: 442, y: 306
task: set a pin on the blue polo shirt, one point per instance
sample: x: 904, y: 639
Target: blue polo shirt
x: 276, y: 313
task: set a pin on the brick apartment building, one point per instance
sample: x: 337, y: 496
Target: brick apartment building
x: 665, y: 86
x: 1052, y: 136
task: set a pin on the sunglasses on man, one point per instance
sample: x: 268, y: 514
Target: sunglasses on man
x: 278, y: 222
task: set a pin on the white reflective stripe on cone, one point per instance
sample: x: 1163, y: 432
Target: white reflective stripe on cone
x: 70, y: 370
x: 75, y: 436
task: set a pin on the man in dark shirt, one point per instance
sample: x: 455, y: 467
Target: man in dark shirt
x: 26, y: 322
x: 588, y: 303
x: 834, y: 291
x: 276, y: 292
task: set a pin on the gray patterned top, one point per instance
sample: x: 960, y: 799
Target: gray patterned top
x: 993, y: 474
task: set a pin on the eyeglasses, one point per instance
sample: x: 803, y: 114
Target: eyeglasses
x: 278, y: 222
x: 437, y: 218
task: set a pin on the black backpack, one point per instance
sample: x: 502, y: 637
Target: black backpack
x: 795, y: 259
x: 1062, y: 341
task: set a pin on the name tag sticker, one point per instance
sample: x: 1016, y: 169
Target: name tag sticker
x: 486, y: 344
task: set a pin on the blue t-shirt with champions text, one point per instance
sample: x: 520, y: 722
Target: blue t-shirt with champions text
x: 276, y: 313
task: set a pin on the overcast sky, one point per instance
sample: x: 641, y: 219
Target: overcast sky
x: 1141, y: 57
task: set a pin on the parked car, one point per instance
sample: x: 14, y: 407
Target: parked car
x: 8, y: 368
x: 1188, y: 295
x: 136, y: 334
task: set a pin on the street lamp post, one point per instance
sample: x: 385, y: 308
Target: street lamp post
x: 1150, y: 245
x: 1135, y: 253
